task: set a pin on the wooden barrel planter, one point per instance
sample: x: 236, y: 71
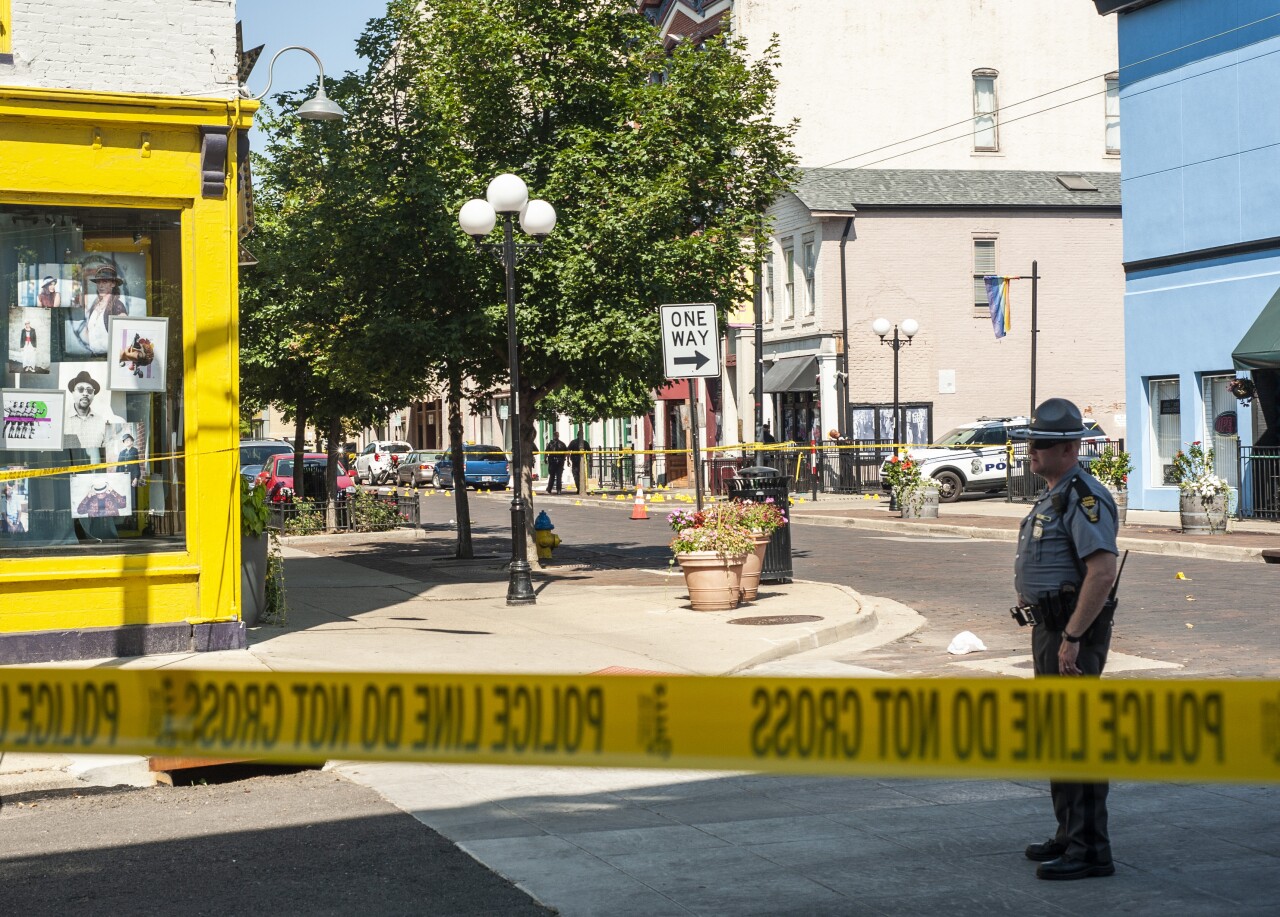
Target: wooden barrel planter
x: 1121, y: 498
x: 1203, y: 516
x: 921, y: 503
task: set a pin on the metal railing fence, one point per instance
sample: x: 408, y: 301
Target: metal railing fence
x: 1259, y: 482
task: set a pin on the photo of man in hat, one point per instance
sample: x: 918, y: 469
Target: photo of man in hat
x: 1063, y: 573
x: 84, y: 427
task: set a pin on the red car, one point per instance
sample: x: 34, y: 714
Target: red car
x: 277, y: 477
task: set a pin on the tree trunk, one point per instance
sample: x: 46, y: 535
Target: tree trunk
x: 461, y: 509
x: 299, y: 450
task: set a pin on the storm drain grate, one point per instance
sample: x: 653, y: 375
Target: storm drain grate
x: 770, y: 620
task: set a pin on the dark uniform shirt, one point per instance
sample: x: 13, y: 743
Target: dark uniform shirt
x: 1045, y: 559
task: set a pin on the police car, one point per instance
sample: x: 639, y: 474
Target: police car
x: 973, y: 456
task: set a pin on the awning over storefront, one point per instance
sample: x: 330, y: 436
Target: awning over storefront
x: 1260, y: 346
x: 792, y: 374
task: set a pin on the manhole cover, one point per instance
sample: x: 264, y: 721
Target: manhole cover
x: 769, y: 620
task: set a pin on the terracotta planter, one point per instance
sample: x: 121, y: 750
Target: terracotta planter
x: 920, y: 503
x: 752, y: 566
x: 1201, y: 516
x: 714, y: 581
x: 1121, y: 498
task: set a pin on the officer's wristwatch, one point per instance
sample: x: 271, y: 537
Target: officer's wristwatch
x: 1070, y: 639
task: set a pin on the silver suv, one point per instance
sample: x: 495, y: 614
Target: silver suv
x: 974, y: 457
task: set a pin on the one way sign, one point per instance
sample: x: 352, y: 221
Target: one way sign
x: 690, y: 340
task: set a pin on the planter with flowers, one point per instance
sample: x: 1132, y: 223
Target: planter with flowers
x: 1204, y: 495
x: 1112, y: 467
x: 915, y: 496
x: 761, y: 521
x: 711, y: 547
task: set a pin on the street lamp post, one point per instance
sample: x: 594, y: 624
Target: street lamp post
x: 508, y: 197
x: 317, y: 108
x: 909, y: 328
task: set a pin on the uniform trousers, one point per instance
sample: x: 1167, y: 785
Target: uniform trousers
x: 555, y: 474
x: 1081, y: 808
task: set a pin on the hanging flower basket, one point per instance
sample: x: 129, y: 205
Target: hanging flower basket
x: 1242, y: 389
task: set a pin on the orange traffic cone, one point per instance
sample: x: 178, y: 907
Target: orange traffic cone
x: 638, y: 510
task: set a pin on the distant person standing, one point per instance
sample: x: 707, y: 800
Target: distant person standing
x: 768, y: 435
x: 554, y: 451
x: 579, y: 447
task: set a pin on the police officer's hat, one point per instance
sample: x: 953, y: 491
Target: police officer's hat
x: 1056, y: 418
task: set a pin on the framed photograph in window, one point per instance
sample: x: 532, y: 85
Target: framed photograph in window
x: 102, y: 495
x: 33, y: 419
x: 29, y: 341
x: 15, y: 504
x: 139, y: 351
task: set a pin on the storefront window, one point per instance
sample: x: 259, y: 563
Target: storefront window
x: 1221, y: 424
x: 1166, y: 427
x: 92, y: 456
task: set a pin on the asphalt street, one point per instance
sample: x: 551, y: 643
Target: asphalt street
x: 1218, y: 621
x: 309, y: 842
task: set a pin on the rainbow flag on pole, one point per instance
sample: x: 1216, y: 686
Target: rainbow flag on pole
x: 998, y: 300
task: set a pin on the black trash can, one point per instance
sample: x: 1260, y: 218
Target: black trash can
x: 754, y: 485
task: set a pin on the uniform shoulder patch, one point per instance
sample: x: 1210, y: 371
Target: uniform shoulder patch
x: 1090, y: 506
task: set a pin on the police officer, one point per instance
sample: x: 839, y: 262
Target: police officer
x: 1064, y: 569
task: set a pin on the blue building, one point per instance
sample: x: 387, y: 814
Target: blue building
x: 1200, y: 185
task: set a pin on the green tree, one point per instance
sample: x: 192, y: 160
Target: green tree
x: 659, y: 183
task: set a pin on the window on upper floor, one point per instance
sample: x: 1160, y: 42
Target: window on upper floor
x: 986, y: 138
x: 809, y: 264
x: 789, y: 285
x: 1113, y: 114
x: 768, y: 287
x: 984, y: 263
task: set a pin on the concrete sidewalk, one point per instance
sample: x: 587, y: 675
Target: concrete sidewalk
x: 444, y: 615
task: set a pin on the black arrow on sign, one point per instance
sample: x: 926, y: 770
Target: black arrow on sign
x: 698, y: 360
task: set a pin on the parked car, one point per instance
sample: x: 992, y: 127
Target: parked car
x: 487, y: 468
x: 418, y: 469
x: 255, y: 452
x: 973, y: 457
x: 377, y: 463
x: 277, y: 477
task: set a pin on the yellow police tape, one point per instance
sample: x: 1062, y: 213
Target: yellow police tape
x: 1208, y: 731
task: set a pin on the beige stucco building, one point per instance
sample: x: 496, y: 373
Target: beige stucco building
x: 936, y: 133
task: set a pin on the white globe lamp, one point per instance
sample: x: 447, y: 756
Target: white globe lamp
x: 477, y: 217
x: 910, y: 327
x: 507, y: 193
x: 538, y: 218
x: 881, y: 326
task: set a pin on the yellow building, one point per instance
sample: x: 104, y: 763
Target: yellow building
x: 119, y: 504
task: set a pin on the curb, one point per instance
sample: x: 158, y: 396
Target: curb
x: 863, y: 622
x: 1195, y: 550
